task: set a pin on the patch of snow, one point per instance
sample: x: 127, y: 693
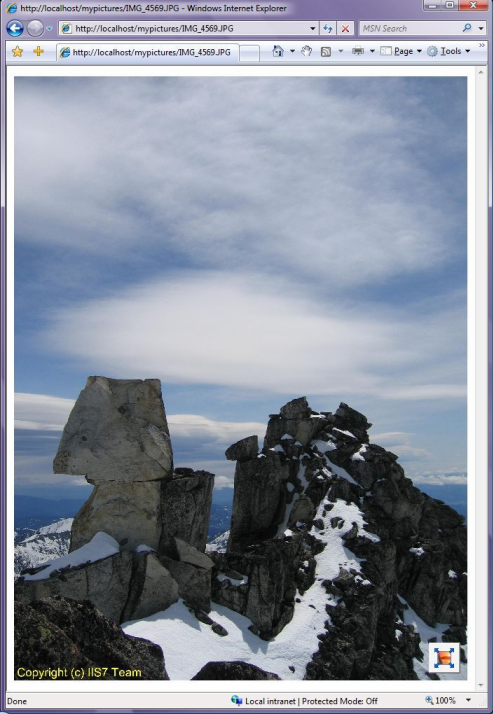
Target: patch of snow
x: 358, y: 456
x: 143, y: 548
x: 64, y: 525
x: 219, y: 543
x: 324, y: 446
x: 339, y: 471
x: 290, y: 487
x: 234, y: 581
x: 417, y: 551
x: 398, y: 634
x: 427, y: 633
x: 342, y: 431
x: 286, y: 436
x: 101, y: 546
x: 278, y: 448
x: 452, y: 574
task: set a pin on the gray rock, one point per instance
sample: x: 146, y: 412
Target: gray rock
x: 194, y: 583
x: 186, y: 506
x: 117, y: 431
x: 233, y: 671
x: 152, y: 589
x: 257, y: 501
x: 129, y: 512
x: 105, y: 583
x: 188, y: 554
x: 303, y: 511
x: 243, y: 450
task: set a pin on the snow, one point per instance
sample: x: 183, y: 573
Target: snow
x: 417, y: 551
x: 219, y: 543
x: 278, y: 448
x: 452, y: 574
x: 234, y: 581
x: 286, y: 436
x: 339, y: 471
x: 101, y: 546
x: 427, y: 633
x: 343, y: 431
x: 144, y: 549
x: 290, y: 487
x: 194, y: 643
x: 358, y: 456
x: 64, y: 525
x: 324, y: 446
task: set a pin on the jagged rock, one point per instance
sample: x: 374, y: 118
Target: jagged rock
x: 129, y: 512
x: 219, y: 630
x: 258, y: 504
x: 233, y: 670
x: 186, y: 506
x: 117, y: 431
x: 105, y: 583
x: 269, y: 570
x: 152, y: 588
x: 303, y: 511
x: 188, y: 554
x: 243, y: 450
x: 59, y: 632
x: 194, y: 583
x: 294, y: 419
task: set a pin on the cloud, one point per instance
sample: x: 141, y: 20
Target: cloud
x: 441, y: 479
x: 197, y: 427
x: 342, y: 189
x: 244, y: 332
x: 41, y: 412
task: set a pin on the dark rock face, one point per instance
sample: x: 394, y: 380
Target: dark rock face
x: 257, y: 504
x: 268, y: 571
x: 186, y: 506
x: 59, y: 632
x: 282, y: 506
x: 233, y: 670
x: 243, y: 450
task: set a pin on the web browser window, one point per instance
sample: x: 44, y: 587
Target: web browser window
x: 246, y: 356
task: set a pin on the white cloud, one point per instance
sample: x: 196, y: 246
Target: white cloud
x: 334, y: 191
x: 440, y: 479
x: 245, y: 332
x: 200, y: 428
x: 41, y: 412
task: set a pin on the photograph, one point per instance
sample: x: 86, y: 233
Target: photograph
x: 240, y: 377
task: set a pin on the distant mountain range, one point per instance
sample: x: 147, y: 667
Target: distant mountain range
x: 42, y: 528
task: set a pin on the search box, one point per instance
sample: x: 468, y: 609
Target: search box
x: 417, y: 28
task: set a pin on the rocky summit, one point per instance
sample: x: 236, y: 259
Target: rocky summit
x: 335, y: 566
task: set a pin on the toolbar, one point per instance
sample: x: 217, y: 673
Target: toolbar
x: 280, y: 52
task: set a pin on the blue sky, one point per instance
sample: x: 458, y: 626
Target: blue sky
x: 247, y: 241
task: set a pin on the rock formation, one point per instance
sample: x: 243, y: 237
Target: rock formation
x: 157, y: 518
x: 63, y: 633
x: 318, y: 510
x: 286, y: 499
x: 233, y: 670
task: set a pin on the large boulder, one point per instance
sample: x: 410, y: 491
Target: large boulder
x: 186, y: 505
x: 130, y: 512
x: 152, y: 588
x: 63, y: 633
x: 233, y: 670
x: 117, y: 431
x: 258, y: 506
x: 104, y: 582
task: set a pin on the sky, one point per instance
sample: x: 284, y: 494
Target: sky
x: 247, y: 241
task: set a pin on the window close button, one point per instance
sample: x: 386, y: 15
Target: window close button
x: 481, y: 5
